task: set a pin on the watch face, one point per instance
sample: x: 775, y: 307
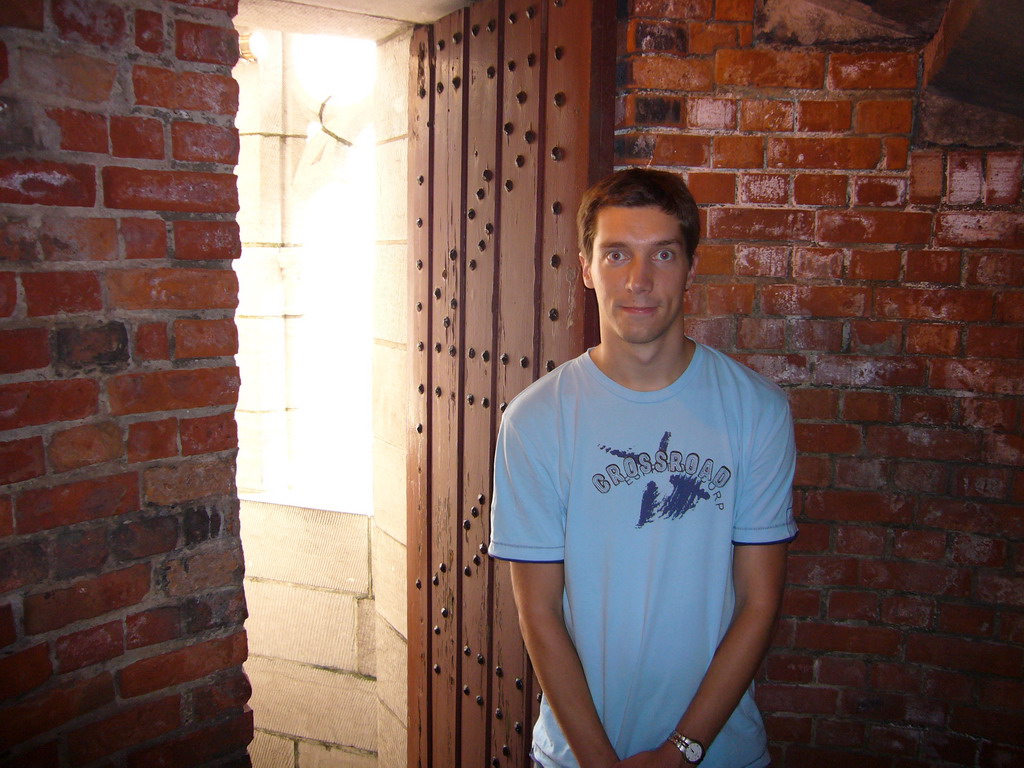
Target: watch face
x: 694, y: 752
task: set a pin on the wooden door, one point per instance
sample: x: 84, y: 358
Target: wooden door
x: 511, y: 111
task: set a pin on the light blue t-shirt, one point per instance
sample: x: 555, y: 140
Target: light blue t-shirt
x: 643, y: 496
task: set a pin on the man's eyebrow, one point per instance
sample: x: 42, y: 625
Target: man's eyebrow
x: 617, y: 244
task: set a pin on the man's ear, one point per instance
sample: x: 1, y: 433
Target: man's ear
x: 585, y: 267
x: 690, y: 273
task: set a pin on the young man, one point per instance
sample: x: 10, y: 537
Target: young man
x: 643, y: 497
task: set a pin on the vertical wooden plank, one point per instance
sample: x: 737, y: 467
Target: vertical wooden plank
x: 447, y: 281
x: 479, y: 316
x: 522, y: 122
x: 421, y: 79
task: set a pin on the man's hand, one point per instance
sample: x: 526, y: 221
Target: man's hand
x: 665, y: 756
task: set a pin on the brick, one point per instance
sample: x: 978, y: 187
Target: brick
x: 677, y: 9
x: 822, y: 571
x: 879, y: 191
x: 965, y: 180
x: 149, y: 31
x: 21, y: 459
x: 126, y: 728
x: 1009, y: 308
x: 202, y: 746
x: 872, y: 70
x: 884, y: 116
x: 205, y: 43
x: 801, y: 602
x: 189, y: 481
x: 711, y: 114
x: 1002, y: 269
x: 61, y: 293
x: 18, y: 240
x: 926, y: 176
x: 869, y: 371
x: 686, y: 74
x: 25, y: 349
x: 907, y: 611
x: 789, y: 668
x: 77, y: 239
x: 207, y: 240
x: 895, y: 153
x: 932, y: 339
x: 980, y: 229
x: 144, y: 537
x: 797, y: 698
x: 1003, y: 177
x: 987, y: 413
x: 41, y: 509
x: 766, y: 116
x: 230, y: 6
x: 43, y: 182
x: 209, y: 434
x: 738, y: 152
x: 86, y: 599
x: 730, y: 299
x: 783, y: 369
x: 157, y: 625
x: 23, y: 14
x: 89, y: 21
x: 86, y: 445
x: 823, y: 152
x: 51, y: 708
x: 878, y: 641
x: 814, y: 300
x: 823, y: 116
x: 173, y: 390
x: 1004, y: 448
x: 868, y: 406
x: 680, y: 149
x: 819, y: 189
x: 149, y: 440
x: 864, y: 474
x: 188, y: 91
x: 828, y: 438
x: 202, y: 572
x: 1001, y: 590
x: 875, y: 265
x: 876, y: 338
x: 6, y: 525
x: 859, y: 506
x: 927, y: 410
x: 173, y: 289
x: 8, y: 634
x: 201, y: 143
x: 839, y: 734
x: 91, y: 348
x: 769, y: 68
x: 21, y: 565
x: 857, y: 606
x: 708, y: 188
x: 935, y: 304
x: 78, y: 551
x: 966, y: 620
x: 715, y: 259
x: 656, y: 36
x: 201, y: 523
x: 43, y: 402
x: 209, y: 701
x: 840, y: 671
x: 920, y: 545
x: 144, y: 238
x: 758, y: 333
x: 181, y: 666
x: 656, y: 110
x: 933, y: 267
x: 861, y: 226
x: 995, y: 341
x: 816, y: 335
x: 763, y: 261
x: 759, y: 224
x: 968, y: 654
x: 67, y: 75
x: 813, y: 403
x: 922, y: 443
x: 634, y: 146
x: 152, y: 342
x: 89, y: 646
x: 708, y: 38
x: 764, y: 188
x: 81, y: 131
x: 138, y: 137
x: 21, y: 672
x: 182, y: 191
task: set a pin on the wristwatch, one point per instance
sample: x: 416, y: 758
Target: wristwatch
x: 693, y: 751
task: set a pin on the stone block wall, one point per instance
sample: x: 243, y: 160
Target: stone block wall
x: 121, y: 603
x: 879, y: 278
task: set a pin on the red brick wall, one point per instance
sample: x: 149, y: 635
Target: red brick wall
x: 121, y: 603
x: 881, y: 284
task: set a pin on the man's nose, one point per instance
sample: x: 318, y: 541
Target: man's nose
x: 639, y: 277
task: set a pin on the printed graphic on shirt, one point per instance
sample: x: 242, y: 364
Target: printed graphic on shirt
x: 690, y: 480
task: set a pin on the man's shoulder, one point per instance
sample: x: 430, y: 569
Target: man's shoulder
x: 542, y: 399
x: 744, y: 378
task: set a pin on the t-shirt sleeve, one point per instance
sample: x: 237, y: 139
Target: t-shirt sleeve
x: 764, y: 503
x: 527, y: 511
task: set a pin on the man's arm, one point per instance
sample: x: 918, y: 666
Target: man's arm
x: 538, y: 590
x: 759, y: 572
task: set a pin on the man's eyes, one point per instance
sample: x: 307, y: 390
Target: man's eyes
x: 664, y: 255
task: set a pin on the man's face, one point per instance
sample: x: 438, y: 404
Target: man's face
x: 640, y: 272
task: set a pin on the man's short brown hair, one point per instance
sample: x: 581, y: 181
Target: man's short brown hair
x: 637, y: 188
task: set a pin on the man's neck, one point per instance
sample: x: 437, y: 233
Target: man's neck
x: 644, y: 368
